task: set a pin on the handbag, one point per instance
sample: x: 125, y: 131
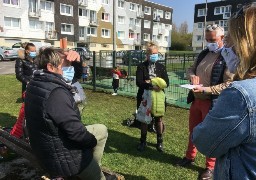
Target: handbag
x: 190, y: 97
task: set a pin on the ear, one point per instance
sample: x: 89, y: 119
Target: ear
x: 222, y: 37
x: 50, y: 67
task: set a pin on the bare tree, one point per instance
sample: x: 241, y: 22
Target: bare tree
x: 174, y: 27
x: 183, y: 28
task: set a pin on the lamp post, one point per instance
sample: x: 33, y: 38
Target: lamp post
x: 205, y: 15
x: 114, y: 33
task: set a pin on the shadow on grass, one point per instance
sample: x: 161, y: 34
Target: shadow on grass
x: 19, y: 100
x: 132, y: 177
x: 125, y: 144
x: 7, y: 120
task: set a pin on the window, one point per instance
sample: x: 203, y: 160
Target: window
x: 35, y: 24
x: 224, y: 24
x: 131, y: 35
x: 121, y: 34
x: 199, y: 38
x: 121, y: 19
x: 49, y: 26
x: 146, y: 37
x: 91, y: 31
x: 147, y: 10
x: 82, y: 31
x: 201, y: 12
x: 11, y: 2
x: 105, y: 17
x: 167, y: 15
x: 166, y: 38
x: 167, y: 27
x: 138, y: 22
x: 46, y: 5
x: 105, y: 33
x: 132, y: 21
x: 159, y: 38
x: 217, y: 10
x: 93, y: 16
x: 33, y: 6
x: 67, y: 29
x: 200, y: 25
x: 120, y: 3
x: 12, y: 22
x: 147, y: 24
x: 154, y: 37
x: 66, y: 10
x: 132, y: 6
x: 160, y: 13
x: 155, y: 25
x: 105, y: 1
x: 83, y: 12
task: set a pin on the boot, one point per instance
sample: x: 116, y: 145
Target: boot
x: 142, y: 145
x: 159, y: 145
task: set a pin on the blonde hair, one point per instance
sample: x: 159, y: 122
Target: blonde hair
x: 150, y: 47
x: 242, y: 32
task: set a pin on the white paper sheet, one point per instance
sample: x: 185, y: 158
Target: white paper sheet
x: 188, y: 86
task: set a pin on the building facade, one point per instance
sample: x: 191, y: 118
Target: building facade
x: 217, y: 13
x: 87, y: 23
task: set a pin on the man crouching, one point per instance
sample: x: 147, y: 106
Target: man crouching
x: 61, y: 143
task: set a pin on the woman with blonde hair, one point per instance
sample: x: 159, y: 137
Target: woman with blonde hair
x: 147, y: 70
x: 228, y: 132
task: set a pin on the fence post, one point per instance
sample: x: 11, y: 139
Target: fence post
x: 165, y: 60
x: 94, y: 71
x: 129, y: 64
x: 114, y: 58
x: 100, y: 57
x: 184, y: 61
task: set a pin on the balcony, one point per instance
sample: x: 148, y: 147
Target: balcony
x: 84, y: 38
x: 83, y: 3
x: 132, y: 27
x: 140, y: 14
x: 137, y: 42
x: 161, y: 31
x: 93, y: 22
x: 156, y: 18
x: 51, y: 35
x: 34, y: 14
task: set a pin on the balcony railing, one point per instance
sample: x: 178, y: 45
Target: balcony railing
x: 156, y: 18
x: 93, y: 22
x: 35, y: 14
x: 132, y: 27
x: 137, y: 42
x: 140, y: 14
x: 84, y: 38
x: 161, y: 31
x: 83, y: 2
x: 50, y: 35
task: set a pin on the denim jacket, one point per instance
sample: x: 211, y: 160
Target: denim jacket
x: 228, y: 132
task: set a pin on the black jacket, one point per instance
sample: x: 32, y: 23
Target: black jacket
x: 57, y: 136
x: 24, y: 70
x: 142, y: 74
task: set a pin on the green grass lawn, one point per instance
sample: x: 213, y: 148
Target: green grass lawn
x: 120, y: 152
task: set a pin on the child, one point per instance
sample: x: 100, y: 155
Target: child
x: 86, y: 73
x: 115, y: 83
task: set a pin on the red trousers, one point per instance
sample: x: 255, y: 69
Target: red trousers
x: 17, y: 129
x: 198, y: 110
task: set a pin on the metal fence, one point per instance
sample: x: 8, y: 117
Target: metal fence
x: 101, y: 63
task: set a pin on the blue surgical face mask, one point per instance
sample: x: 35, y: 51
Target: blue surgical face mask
x: 153, y: 58
x: 68, y: 73
x: 230, y: 58
x: 32, y: 54
x: 212, y: 46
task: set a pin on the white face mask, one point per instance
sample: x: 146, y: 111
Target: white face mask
x: 212, y: 46
x: 230, y: 58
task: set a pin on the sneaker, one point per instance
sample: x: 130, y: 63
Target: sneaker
x: 206, y: 174
x: 114, y: 94
x: 141, y: 146
x: 185, y: 162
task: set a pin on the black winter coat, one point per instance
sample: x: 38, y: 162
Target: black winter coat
x: 24, y: 70
x: 142, y: 74
x: 57, y: 136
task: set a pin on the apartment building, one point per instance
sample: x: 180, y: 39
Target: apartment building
x: 86, y: 23
x: 217, y: 13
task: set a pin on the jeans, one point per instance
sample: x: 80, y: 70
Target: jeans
x: 93, y: 171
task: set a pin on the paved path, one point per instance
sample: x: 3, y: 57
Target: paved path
x: 7, y: 67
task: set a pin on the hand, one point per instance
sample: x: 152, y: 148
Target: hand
x: 147, y: 81
x: 156, y: 88
x: 72, y: 56
x: 199, y: 89
x: 194, y: 79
